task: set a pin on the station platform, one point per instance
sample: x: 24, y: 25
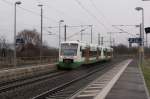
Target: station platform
x: 124, y: 81
x: 130, y: 85
x: 11, y: 74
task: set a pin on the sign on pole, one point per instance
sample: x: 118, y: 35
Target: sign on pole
x: 19, y: 40
x: 135, y: 40
x: 147, y: 30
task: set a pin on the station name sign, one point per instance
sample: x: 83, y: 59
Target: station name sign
x: 135, y: 40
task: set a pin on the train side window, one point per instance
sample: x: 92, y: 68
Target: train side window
x: 83, y: 53
x: 93, y: 53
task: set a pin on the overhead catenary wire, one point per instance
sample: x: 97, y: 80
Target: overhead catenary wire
x: 62, y: 13
x: 75, y: 34
x: 100, y: 12
x: 29, y: 11
x: 97, y: 9
x: 124, y: 31
x: 91, y: 14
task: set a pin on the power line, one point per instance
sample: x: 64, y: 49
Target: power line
x: 100, y: 12
x: 28, y: 10
x: 36, y: 13
x: 62, y: 13
x: 72, y: 26
x: 75, y: 34
x: 90, y: 13
x: 123, y: 30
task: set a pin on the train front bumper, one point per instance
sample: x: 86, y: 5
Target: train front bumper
x: 73, y: 65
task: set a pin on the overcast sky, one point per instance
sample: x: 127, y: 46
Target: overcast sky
x: 102, y: 14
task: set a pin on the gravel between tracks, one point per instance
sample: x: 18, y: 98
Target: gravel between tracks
x: 31, y: 90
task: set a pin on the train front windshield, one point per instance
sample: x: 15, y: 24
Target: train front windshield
x: 69, y: 49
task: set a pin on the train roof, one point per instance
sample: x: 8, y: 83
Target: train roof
x: 89, y: 45
x: 78, y: 42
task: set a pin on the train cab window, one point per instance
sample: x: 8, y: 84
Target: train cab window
x: 69, y: 49
x: 105, y: 52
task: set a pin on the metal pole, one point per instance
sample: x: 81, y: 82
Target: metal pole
x: 41, y: 30
x: 65, y: 34
x: 59, y: 34
x: 91, y: 32
x: 81, y: 35
x: 143, y: 34
x: 81, y: 38
x: 102, y: 40
x: 146, y: 41
x: 143, y: 26
x: 16, y: 3
x: 140, y: 46
x: 15, y: 63
x: 99, y: 39
x: 60, y: 31
x: 110, y: 39
x: 41, y: 45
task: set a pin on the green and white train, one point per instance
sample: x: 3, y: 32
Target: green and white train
x: 73, y: 54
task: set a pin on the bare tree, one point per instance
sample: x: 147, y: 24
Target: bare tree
x: 31, y: 43
x: 30, y: 37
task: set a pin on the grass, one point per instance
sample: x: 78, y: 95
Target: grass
x: 146, y: 72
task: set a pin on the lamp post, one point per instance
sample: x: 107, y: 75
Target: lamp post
x: 141, y: 48
x: 41, y: 40
x: 141, y: 9
x: 60, y: 31
x: 16, y: 3
x: 146, y: 33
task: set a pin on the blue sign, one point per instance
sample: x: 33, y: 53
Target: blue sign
x: 135, y: 40
x: 20, y: 41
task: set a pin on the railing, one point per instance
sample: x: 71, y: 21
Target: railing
x: 21, y: 61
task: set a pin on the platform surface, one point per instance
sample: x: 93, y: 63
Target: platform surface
x: 130, y: 85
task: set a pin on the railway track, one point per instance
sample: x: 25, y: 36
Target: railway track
x: 55, y: 85
x: 66, y: 90
x: 53, y: 93
x: 6, y: 86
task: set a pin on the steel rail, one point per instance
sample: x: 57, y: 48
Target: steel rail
x: 46, y: 94
x: 19, y: 83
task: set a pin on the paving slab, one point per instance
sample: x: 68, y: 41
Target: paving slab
x: 99, y: 88
x: 130, y: 85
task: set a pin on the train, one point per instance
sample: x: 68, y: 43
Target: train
x: 73, y: 54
